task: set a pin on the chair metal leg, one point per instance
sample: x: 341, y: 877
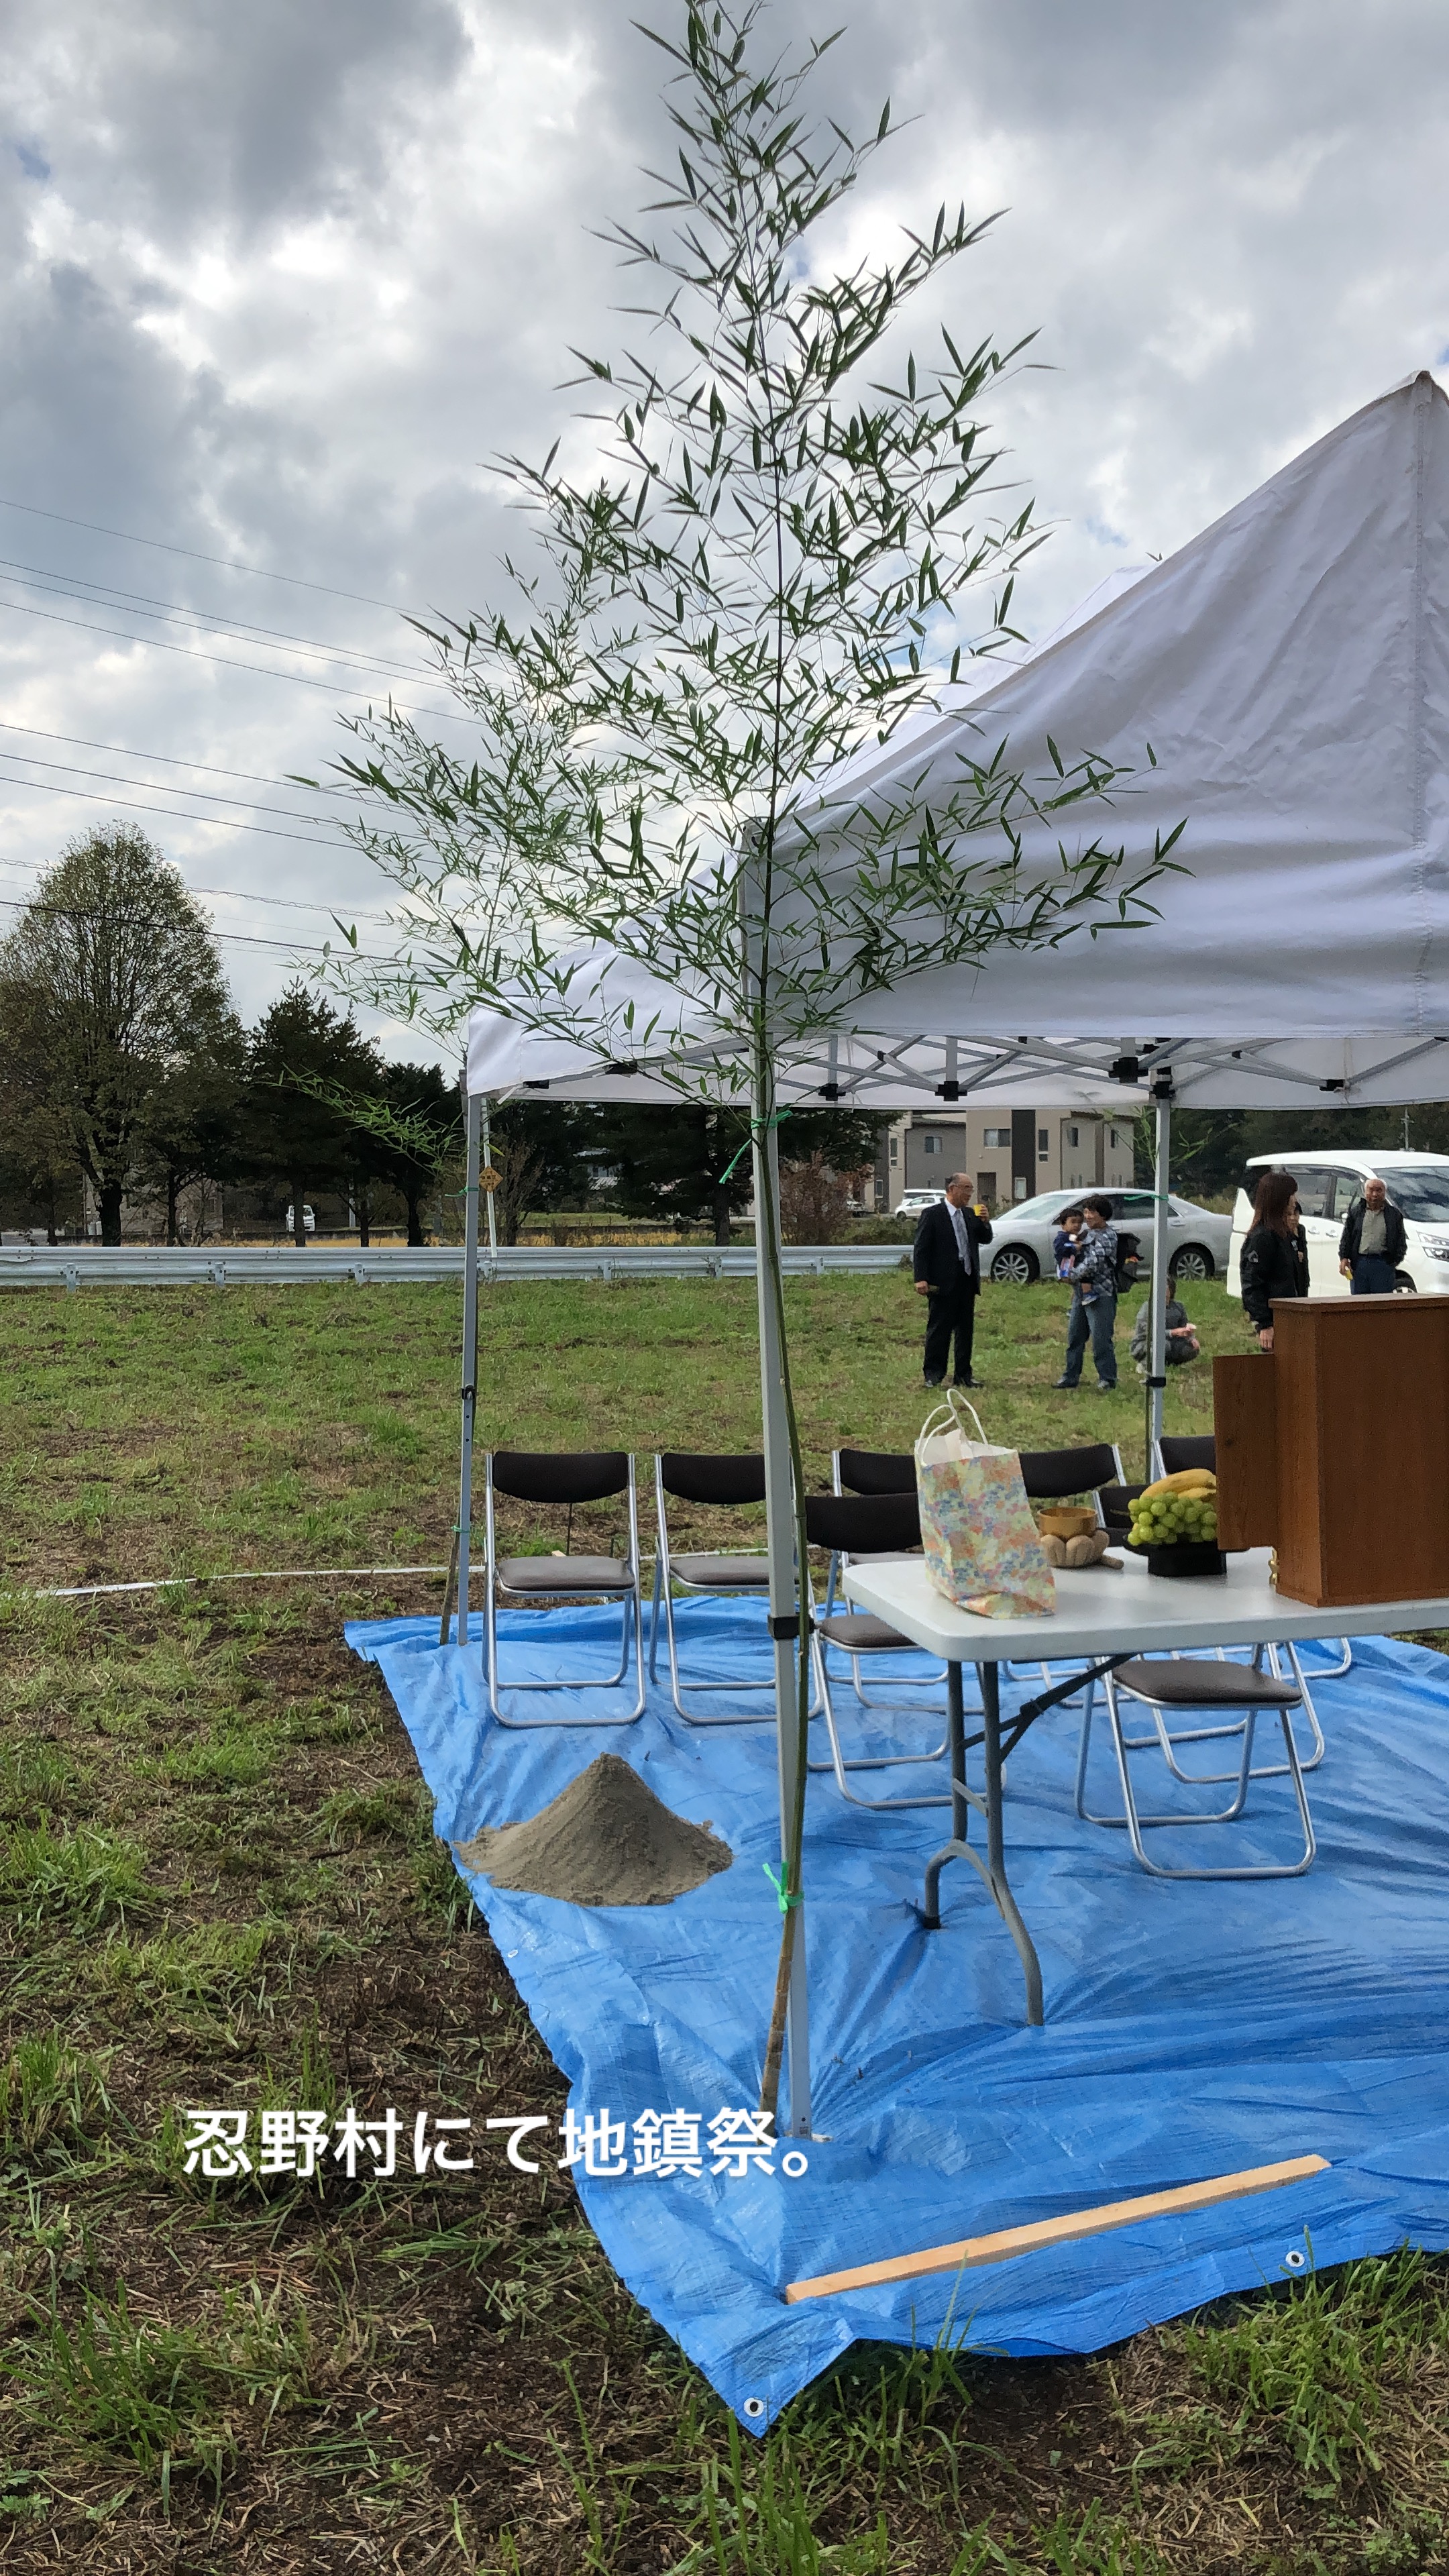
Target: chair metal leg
x: 654, y: 1618
x: 839, y: 1765
x: 1172, y: 1737
x: 1124, y: 1745
x: 733, y: 1717
x: 1335, y: 1672
x: 884, y: 1708
x: 896, y: 1707
x: 1137, y: 1824
x: 632, y: 1606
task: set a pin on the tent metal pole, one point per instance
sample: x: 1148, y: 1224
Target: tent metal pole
x: 787, y: 1593
x: 491, y: 1194
x: 469, y: 1390
x: 1161, y: 1284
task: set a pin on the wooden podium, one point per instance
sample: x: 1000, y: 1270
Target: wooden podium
x: 1335, y: 1450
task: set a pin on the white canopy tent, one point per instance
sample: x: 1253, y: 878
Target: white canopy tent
x: 1290, y: 671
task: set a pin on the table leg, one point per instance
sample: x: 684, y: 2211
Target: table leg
x: 993, y: 1868
x: 960, y: 1800
x: 956, y: 1741
x: 995, y: 1845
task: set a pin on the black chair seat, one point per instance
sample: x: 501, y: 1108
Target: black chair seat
x: 857, y: 1633
x: 1190, y: 1684
x: 876, y: 1471
x: 1049, y: 1475
x: 566, y: 1574
x: 1180, y: 1451
x: 723, y: 1573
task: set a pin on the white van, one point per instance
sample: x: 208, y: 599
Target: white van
x: 1329, y: 1180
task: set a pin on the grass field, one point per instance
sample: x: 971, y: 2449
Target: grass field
x: 218, y: 1885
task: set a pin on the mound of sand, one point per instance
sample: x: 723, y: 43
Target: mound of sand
x: 605, y: 1840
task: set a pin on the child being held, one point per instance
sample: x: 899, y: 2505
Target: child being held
x: 1182, y: 1341
x: 1067, y: 1242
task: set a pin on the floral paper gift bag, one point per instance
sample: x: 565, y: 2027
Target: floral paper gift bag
x: 982, y: 1546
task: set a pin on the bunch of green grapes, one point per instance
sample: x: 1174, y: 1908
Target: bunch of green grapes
x: 1169, y: 1520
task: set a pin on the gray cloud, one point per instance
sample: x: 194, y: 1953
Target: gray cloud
x: 277, y: 284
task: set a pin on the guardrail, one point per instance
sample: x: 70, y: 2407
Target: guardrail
x: 173, y: 1266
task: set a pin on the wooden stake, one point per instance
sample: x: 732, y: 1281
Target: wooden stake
x: 1007, y: 2241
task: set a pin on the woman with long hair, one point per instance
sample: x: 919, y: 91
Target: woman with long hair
x: 1274, y: 1258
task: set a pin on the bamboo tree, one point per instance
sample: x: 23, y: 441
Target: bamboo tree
x: 793, y: 539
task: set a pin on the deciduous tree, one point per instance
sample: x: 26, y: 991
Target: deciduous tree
x: 109, y: 984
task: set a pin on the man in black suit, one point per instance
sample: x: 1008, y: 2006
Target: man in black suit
x: 947, y: 1265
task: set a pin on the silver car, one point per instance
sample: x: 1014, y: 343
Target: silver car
x: 1021, y: 1244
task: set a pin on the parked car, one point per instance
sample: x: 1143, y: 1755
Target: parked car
x: 1328, y: 1182
x: 916, y: 1202
x: 1021, y: 1246
x: 309, y: 1221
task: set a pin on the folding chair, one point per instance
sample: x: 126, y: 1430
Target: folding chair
x: 1050, y: 1475
x: 586, y: 1476
x: 873, y: 1471
x: 1186, y: 1683
x: 1174, y: 1453
x: 716, y: 1483
x: 856, y: 1526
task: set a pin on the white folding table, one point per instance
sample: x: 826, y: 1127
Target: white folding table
x: 1104, y: 1617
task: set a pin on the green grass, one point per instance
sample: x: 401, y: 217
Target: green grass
x: 219, y: 1886
x: 48, y: 2095
x: 176, y: 1432
x: 1311, y: 2374
x: 84, y: 1876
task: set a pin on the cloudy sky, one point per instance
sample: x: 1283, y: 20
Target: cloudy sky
x: 278, y: 283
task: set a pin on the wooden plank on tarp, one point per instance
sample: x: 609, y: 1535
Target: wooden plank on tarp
x: 1007, y: 2241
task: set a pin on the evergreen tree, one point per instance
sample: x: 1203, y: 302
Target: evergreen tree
x: 303, y: 1060
x: 682, y: 1163
x: 193, y: 1125
x: 428, y: 1133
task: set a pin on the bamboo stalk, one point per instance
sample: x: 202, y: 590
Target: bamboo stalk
x: 450, y: 1590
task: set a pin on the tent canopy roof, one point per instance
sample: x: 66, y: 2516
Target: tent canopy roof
x: 1290, y: 670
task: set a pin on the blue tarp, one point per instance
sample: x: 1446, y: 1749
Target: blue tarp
x: 1191, y: 2029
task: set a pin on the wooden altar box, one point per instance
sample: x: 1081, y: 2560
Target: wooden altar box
x: 1336, y: 1450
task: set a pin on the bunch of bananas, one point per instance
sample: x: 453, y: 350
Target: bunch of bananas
x: 1180, y: 1510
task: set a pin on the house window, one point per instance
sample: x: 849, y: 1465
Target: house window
x: 1043, y: 1142
x: 895, y: 1149
x: 1112, y: 1136
x: 1074, y: 1135
x: 930, y: 1144
x: 997, y: 1139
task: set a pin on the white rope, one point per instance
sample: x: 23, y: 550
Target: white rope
x: 272, y: 1574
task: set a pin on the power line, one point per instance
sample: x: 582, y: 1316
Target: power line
x: 166, y: 813
x: 223, y: 661
x: 157, y: 786
x: 101, y: 594
x: 285, y: 902
x: 259, y: 572
x: 120, y: 751
x: 231, y: 938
